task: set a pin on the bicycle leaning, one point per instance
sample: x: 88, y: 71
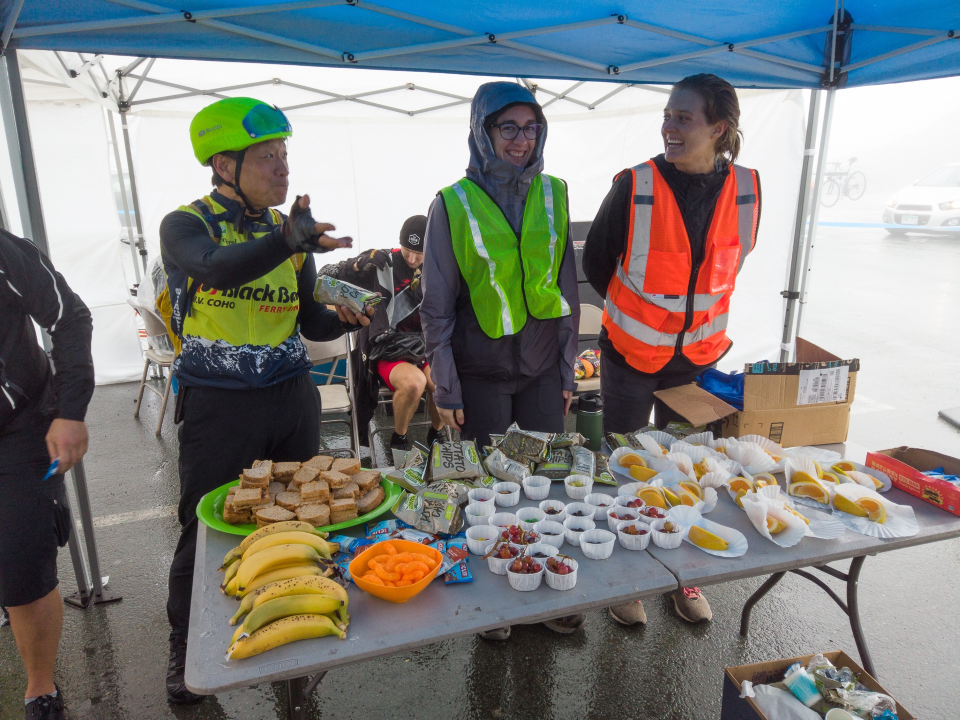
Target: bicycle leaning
x: 837, y: 182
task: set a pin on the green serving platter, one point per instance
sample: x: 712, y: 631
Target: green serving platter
x: 210, y: 510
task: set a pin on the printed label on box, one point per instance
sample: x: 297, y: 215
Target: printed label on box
x: 823, y: 385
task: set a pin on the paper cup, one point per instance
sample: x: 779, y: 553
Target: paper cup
x: 601, y: 503
x: 507, y: 493
x: 498, y: 566
x: 633, y: 542
x: 623, y: 514
x: 541, y: 547
x: 631, y: 489
x: 555, y: 505
x: 525, y: 582
x: 597, y: 544
x: 503, y: 520
x: 482, y: 496
x: 683, y: 462
x: 667, y: 541
x: 578, y: 493
x: 530, y: 518
x: 536, y: 487
x: 575, y: 527
x: 562, y: 582
x: 479, y: 538
x: 663, y: 439
x: 549, y: 526
x: 625, y: 500
x: 651, y: 514
x: 588, y: 510
x: 478, y: 513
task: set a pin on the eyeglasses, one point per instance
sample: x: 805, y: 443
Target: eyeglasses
x: 509, y: 131
x: 265, y: 120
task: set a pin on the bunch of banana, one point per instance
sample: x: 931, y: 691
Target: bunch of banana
x: 280, y: 527
x: 286, y: 611
x: 277, y: 555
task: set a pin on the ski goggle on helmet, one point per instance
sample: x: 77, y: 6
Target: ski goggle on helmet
x: 235, y: 124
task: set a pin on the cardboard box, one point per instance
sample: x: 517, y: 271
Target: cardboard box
x: 736, y: 708
x: 802, y: 403
x: 905, y: 466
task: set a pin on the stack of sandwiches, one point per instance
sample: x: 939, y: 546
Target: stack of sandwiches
x: 322, y: 491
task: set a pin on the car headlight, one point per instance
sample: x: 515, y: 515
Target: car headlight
x: 953, y: 205
x: 891, y: 203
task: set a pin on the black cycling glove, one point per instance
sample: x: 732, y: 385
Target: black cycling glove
x: 379, y: 258
x: 299, y: 231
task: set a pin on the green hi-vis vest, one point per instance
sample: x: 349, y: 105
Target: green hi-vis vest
x: 260, y: 313
x: 507, y: 277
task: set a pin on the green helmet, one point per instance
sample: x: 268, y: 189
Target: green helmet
x: 235, y: 124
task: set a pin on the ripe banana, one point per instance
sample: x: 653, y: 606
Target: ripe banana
x: 230, y: 574
x: 287, y: 526
x: 231, y: 557
x: 281, y: 632
x: 280, y: 573
x: 272, y: 558
x: 285, y: 607
x: 289, y: 538
x: 302, y: 585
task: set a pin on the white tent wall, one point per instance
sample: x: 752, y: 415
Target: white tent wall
x: 368, y: 169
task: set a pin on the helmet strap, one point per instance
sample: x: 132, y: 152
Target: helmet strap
x: 235, y: 186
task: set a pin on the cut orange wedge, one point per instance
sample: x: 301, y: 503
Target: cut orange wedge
x: 874, y: 508
x: 641, y: 472
x: 813, y: 490
x: 631, y: 459
x: 775, y: 526
x: 707, y: 540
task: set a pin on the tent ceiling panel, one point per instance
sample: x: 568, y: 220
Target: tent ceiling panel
x: 754, y: 43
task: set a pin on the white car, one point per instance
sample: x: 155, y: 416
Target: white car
x: 933, y: 202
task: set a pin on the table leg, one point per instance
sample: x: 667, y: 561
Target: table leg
x: 299, y: 691
x: 755, y: 598
x: 853, y: 610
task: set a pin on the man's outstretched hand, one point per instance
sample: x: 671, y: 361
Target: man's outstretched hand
x: 66, y: 440
x: 304, y: 234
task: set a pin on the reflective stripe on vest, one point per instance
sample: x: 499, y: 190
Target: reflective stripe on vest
x: 260, y: 313
x: 507, y: 277
x: 647, y: 299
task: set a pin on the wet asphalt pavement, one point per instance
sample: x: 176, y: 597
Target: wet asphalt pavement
x: 892, y: 302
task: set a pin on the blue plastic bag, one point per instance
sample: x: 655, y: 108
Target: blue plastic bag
x: 728, y: 388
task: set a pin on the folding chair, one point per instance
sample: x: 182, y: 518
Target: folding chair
x: 591, y: 318
x: 336, y: 398
x: 160, y: 357
x: 385, y: 398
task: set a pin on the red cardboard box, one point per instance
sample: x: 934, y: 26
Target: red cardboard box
x: 905, y: 466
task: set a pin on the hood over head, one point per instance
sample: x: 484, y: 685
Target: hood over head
x: 503, y: 181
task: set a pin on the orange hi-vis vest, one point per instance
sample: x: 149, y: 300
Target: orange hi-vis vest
x: 647, y: 303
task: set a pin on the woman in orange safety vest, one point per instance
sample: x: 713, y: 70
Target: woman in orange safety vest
x: 664, y: 251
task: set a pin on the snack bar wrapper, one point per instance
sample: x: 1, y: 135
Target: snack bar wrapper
x: 455, y: 461
x: 454, y: 567
x: 557, y: 465
x: 409, y: 474
x: 350, y: 545
x: 566, y: 440
x: 502, y: 467
x: 524, y: 444
x: 602, y: 472
x: 430, y: 512
x: 330, y: 291
x: 495, y: 439
x: 618, y: 440
x: 584, y: 462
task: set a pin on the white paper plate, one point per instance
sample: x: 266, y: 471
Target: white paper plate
x: 716, y: 466
x: 683, y: 462
x: 900, y: 520
x: 651, y: 445
x: 624, y: 473
x: 714, y: 480
x: 752, y: 458
x: 724, y: 443
x: 663, y: 438
x: 822, y: 525
x: 766, y: 444
x: 807, y: 465
x: 759, y: 507
x: 824, y: 457
x: 696, y: 453
x: 689, y: 517
x: 709, y: 501
x: 704, y: 438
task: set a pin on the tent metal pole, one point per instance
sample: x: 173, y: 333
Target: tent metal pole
x: 815, y: 202
x: 22, y: 161
x: 123, y: 195
x: 10, y: 22
x: 792, y: 293
x: 141, y: 243
x: 89, y: 537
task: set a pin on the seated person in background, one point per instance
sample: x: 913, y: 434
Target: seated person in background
x: 392, y: 348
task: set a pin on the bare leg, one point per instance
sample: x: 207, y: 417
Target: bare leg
x: 36, y: 629
x: 410, y: 383
x: 431, y: 407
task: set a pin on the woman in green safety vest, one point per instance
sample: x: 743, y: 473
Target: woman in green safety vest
x: 500, y: 308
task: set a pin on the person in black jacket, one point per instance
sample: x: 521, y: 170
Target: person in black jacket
x: 41, y: 420
x: 395, y: 274
x: 664, y: 251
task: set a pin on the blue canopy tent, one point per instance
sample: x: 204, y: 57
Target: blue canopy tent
x: 821, y: 45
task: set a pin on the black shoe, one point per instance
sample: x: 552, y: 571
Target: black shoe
x: 176, y: 688
x: 45, y: 707
x: 432, y: 435
x: 399, y: 442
